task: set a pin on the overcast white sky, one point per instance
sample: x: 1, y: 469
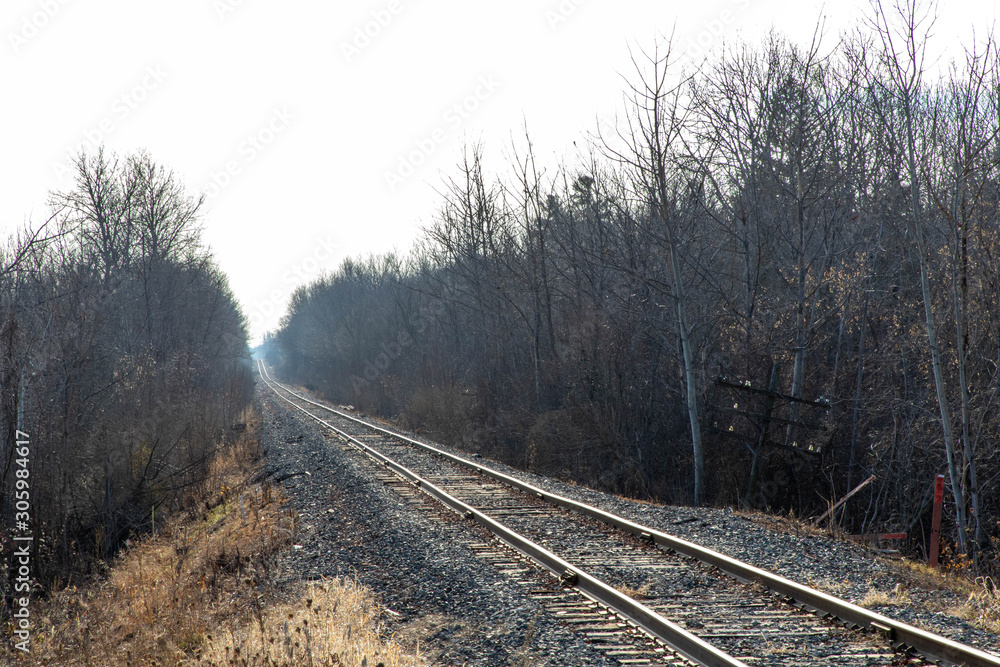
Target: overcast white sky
x: 304, y: 130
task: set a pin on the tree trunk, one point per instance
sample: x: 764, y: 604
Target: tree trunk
x: 925, y: 288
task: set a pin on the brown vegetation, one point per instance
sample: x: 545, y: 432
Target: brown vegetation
x: 123, y: 361
x: 201, y: 591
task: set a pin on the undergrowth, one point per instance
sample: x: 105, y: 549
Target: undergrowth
x: 201, y: 592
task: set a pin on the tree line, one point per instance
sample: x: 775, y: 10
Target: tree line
x: 769, y: 280
x: 123, y: 364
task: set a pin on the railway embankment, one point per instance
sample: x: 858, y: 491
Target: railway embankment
x: 420, y: 598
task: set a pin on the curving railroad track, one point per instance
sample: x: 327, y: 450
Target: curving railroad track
x: 641, y: 595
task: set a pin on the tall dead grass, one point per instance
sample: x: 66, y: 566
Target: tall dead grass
x: 200, y: 592
x: 335, y: 623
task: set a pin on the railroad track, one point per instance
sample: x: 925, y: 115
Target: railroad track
x: 641, y: 595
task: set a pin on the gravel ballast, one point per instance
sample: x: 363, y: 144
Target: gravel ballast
x: 372, y: 533
x: 438, y: 595
x: 845, y: 569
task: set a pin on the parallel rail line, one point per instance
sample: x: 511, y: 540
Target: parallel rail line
x: 900, y: 636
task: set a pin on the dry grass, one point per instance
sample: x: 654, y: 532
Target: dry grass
x: 982, y: 607
x: 636, y: 593
x: 200, y: 593
x: 790, y: 524
x: 335, y: 623
x: 897, y: 597
x: 918, y: 573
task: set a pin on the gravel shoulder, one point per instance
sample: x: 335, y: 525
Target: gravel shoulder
x: 461, y: 610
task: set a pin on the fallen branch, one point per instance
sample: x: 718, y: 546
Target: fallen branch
x: 843, y: 500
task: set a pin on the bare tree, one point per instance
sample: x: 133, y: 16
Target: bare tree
x: 964, y: 131
x: 904, y: 30
x: 652, y: 138
x: 128, y: 356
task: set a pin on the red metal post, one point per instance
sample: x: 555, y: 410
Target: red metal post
x: 936, y: 520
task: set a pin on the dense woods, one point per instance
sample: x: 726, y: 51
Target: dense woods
x: 769, y: 280
x: 124, y: 364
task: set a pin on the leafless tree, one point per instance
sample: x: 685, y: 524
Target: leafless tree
x: 652, y: 140
x: 904, y: 31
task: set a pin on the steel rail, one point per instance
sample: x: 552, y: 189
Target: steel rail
x: 902, y: 634
x: 686, y: 644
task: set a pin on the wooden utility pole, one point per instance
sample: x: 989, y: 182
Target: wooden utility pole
x: 772, y: 387
x: 936, y: 521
